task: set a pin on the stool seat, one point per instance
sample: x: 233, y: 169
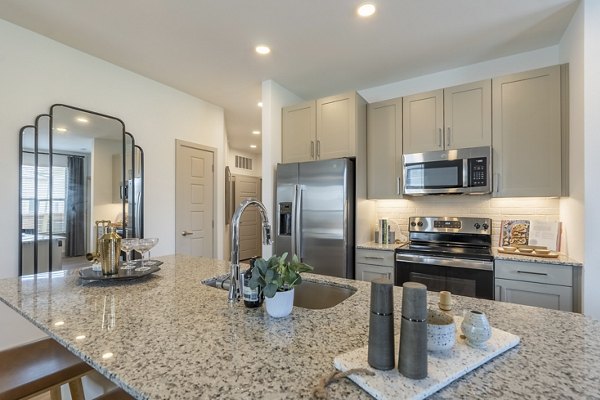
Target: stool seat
x: 37, y: 367
x: 115, y: 394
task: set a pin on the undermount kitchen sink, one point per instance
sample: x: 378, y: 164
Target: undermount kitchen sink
x: 310, y: 294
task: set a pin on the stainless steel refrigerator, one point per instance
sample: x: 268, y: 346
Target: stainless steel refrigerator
x: 314, y: 212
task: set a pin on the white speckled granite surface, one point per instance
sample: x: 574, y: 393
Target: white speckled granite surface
x: 560, y: 260
x: 378, y: 246
x: 173, y: 338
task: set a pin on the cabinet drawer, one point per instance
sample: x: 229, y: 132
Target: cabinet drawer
x: 535, y: 272
x: 375, y: 257
x: 367, y: 272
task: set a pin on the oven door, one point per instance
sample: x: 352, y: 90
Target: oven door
x: 472, y: 278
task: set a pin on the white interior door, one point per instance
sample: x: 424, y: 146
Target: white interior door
x: 250, y: 223
x: 194, y: 188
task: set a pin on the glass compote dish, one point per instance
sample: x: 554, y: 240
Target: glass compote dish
x: 127, y: 245
x: 143, y: 247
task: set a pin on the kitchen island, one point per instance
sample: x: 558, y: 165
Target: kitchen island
x: 170, y: 336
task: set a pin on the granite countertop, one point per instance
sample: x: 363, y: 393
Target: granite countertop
x: 560, y: 260
x: 379, y: 246
x: 169, y: 336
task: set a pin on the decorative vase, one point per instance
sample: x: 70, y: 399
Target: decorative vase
x: 281, y: 304
x: 476, y: 328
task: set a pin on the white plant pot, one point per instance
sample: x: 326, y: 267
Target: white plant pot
x: 281, y: 304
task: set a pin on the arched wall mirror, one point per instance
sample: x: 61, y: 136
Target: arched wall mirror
x: 79, y: 171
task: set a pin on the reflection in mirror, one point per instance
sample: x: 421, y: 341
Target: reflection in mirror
x: 27, y: 196
x: 91, y: 146
x: 74, y: 173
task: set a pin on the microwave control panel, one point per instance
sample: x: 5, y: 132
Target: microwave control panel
x: 478, y: 172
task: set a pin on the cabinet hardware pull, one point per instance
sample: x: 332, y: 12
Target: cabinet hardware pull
x: 398, y: 188
x: 312, y: 149
x: 449, y: 137
x: 318, y: 149
x: 532, y: 273
x: 440, y: 137
x: 497, y: 182
x: 374, y: 258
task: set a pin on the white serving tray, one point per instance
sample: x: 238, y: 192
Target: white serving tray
x: 442, y: 369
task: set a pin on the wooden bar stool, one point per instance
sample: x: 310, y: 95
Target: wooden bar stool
x: 39, y: 367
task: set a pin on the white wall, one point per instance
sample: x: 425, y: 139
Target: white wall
x: 470, y: 73
x: 591, y: 300
x: 37, y: 72
x: 256, y: 162
x: 572, y: 207
x: 274, y: 97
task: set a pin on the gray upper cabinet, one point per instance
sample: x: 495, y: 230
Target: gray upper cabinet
x: 324, y: 129
x: 451, y: 118
x: 298, y: 132
x: 423, y: 124
x: 527, y: 133
x: 468, y: 115
x: 384, y: 149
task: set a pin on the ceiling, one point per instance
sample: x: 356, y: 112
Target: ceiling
x: 319, y: 47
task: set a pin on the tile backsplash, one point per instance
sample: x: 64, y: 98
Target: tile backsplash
x: 398, y: 211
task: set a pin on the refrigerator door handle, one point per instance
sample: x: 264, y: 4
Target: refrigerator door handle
x: 294, y: 221
x: 297, y: 239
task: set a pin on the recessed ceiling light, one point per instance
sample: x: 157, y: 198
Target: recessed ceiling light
x: 61, y: 129
x: 260, y: 104
x: 82, y: 120
x: 366, y: 10
x: 256, y: 132
x: 262, y: 49
x: 252, y: 146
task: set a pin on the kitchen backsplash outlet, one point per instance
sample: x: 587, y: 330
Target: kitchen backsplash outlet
x: 398, y: 211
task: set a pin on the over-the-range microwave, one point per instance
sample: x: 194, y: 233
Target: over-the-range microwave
x: 460, y: 171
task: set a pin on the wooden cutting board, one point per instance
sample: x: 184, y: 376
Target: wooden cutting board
x: 443, y: 367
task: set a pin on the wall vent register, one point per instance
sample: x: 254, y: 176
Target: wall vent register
x: 243, y: 162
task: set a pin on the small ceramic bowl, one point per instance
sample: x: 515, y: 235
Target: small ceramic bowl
x: 525, y: 250
x: 542, y: 251
x: 509, y: 248
x: 441, y: 331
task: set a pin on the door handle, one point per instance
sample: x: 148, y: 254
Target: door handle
x: 186, y: 233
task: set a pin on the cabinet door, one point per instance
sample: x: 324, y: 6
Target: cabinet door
x: 468, y: 115
x: 423, y: 122
x: 527, y: 133
x: 336, y: 126
x: 535, y: 294
x: 384, y: 149
x: 298, y: 131
x: 367, y: 272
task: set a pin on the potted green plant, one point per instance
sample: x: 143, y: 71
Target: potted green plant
x: 277, y: 277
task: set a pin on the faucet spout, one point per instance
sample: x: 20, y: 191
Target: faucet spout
x: 234, y: 287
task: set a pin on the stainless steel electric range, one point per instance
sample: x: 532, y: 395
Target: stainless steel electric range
x: 448, y: 253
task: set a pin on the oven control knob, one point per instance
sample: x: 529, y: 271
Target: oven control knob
x: 477, y: 226
x: 485, y: 226
x: 420, y: 223
x: 413, y: 223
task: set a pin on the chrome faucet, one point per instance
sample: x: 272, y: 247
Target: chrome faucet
x: 234, y: 287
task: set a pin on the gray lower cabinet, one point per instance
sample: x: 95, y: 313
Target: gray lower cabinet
x: 537, y: 284
x: 372, y: 264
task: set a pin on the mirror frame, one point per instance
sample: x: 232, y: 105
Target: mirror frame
x: 125, y: 198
